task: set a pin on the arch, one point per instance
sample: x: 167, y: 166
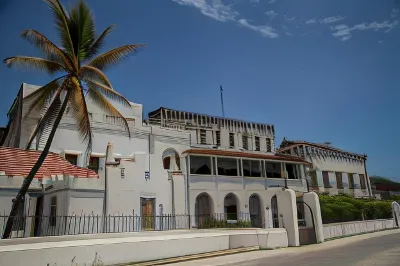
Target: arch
x: 171, y: 160
x: 231, y: 203
x: 203, y: 209
x: 275, y: 212
x: 255, y: 210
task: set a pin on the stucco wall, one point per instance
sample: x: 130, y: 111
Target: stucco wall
x: 351, y: 228
x: 128, y: 248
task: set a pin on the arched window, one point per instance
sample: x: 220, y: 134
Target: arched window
x: 171, y: 160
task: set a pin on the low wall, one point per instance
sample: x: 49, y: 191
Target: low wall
x: 356, y: 227
x: 105, y: 249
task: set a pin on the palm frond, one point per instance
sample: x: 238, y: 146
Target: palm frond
x: 80, y: 112
x: 81, y: 26
x: 42, y: 95
x: 61, y: 21
x: 47, y: 47
x: 94, y: 74
x: 98, y: 44
x: 46, y: 118
x: 28, y: 63
x: 114, y: 56
x: 108, y: 92
x: 98, y: 99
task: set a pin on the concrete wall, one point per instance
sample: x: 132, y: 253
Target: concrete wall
x: 112, y: 249
x: 357, y: 227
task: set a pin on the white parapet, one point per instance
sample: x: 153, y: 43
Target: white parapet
x: 110, y: 249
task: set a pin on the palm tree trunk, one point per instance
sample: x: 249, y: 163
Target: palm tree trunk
x: 27, y: 181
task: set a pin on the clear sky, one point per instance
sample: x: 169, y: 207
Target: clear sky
x: 318, y: 70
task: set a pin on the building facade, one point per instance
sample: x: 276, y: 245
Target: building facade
x: 333, y: 170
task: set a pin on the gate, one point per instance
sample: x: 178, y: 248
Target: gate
x: 307, y: 233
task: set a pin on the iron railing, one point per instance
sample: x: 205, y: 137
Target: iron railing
x: 33, y: 226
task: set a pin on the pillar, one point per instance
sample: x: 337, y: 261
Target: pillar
x: 288, y: 213
x: 312, y: 200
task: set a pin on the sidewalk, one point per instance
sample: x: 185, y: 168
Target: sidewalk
x: 244, y: 257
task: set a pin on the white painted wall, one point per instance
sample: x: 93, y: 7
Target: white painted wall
x: 136, y: 247
x: 357, y: 227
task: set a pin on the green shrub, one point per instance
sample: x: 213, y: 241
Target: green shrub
x: 344, y: 208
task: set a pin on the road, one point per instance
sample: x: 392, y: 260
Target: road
x: 382, y: 249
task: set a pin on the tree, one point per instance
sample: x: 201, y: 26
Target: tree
x: 80, y: 75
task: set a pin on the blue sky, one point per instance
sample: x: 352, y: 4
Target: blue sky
x: 317, y: 70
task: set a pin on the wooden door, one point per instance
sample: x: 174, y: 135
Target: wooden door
x: 147, y: 213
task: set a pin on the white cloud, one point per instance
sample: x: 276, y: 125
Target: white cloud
x: 271, y: 1
x: 266, y: 31
x: 254, y: 1
x: 311, y: 21
x: 344, y: 32
x: 214, y: 9
x: 331, y: 19
x: 394, y: 13
x: 289, y: 19
x: 380, y: 42
x: 271, y: 14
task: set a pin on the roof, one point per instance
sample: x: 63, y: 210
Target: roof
x: 155, y: 113
x: 245, y: 155
x: 288, y: 144
x: 19, y: 162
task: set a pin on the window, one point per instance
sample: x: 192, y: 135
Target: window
x: 362, y: 181
x: 200, y: 165
x: 325, y: 177
x: 227, y: 166
x: 273, y: 170
x: 245, y: 141
x: 167, y: 163
x: 257, y: 143
x: 293, y: 171
x: 269, y: 146
x: 314, y: 179
x: 231, y: 140
x: 218, y: 137
x: 170, y: 160
x: 203, y: 136
x: 53, y: 211
x: 351, y: 181
x: 339, y: 180
x: 72, y: 158
x: 251, y: 168
x: 94, y: 163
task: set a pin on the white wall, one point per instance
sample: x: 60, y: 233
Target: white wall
x: 130, y: 248
x: 357, y: 227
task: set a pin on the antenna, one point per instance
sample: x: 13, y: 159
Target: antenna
x: 222, y: 101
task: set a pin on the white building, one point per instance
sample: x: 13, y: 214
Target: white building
x: 333, y: 170
x: 176, y: 162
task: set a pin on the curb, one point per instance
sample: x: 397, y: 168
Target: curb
x: 194, y: 257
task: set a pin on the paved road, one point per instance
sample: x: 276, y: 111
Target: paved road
x: 379, y: 250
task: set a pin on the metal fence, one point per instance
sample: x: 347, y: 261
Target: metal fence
x: 29, y: 226
x: 33, y: 226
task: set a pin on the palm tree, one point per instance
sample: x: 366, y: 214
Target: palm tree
x: 80, y: 75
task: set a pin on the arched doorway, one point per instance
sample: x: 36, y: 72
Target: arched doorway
x: 203, y: 209
x: 231, y: 207
x: 275, y: 212
x: 255, y: 211
x: 171, y: 160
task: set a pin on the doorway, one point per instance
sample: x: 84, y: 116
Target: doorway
x: 275, y: 212
x: 147, y: 213
x: 255, y: 211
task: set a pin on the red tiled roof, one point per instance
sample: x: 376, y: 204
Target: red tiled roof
x: 19, y: 162
x: 288, y: 158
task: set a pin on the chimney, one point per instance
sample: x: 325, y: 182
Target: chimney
x: 110, y: 154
